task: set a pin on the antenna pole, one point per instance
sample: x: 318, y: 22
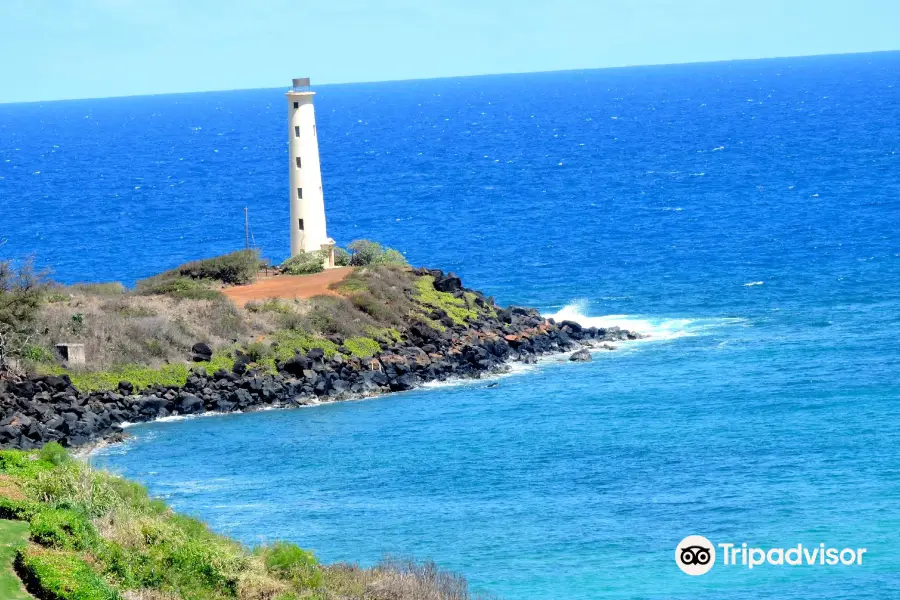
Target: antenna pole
x: 246, y: 229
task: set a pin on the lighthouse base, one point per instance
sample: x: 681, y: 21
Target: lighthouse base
x: 328, y: 249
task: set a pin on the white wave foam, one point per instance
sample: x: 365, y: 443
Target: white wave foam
x: 752, y: 283
x: 175, y: 418
x: 656, y: 328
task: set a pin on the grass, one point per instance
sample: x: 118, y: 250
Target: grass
x: 363, y: 347
x: 13, y: 534
x: 456, y: 308
x: 140, y: 377
x: 94, y: 536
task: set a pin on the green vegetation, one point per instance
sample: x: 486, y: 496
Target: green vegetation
x: 236, y: 268
x: 367, y: 252
x: 182, y: 288
x: 13, y: 534
x: 87, y: 535
x: 456, y: 308
x: 272, y: 305
x: 341, y: 257
x: 197, y: 280
x: 362, y: 347
x: 305, y: 263
x: 144, y: 336
x: 140, y: 377
x: 21, y: 293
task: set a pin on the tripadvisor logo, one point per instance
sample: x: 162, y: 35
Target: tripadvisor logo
x: 696, y: 555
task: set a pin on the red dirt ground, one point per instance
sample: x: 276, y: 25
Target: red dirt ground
x: 288, y: 286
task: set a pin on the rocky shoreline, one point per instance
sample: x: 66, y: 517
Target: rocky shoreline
x: 44, y: 409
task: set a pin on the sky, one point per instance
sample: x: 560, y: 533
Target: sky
x: 55, y: 49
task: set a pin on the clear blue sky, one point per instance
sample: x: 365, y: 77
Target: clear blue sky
x: 55, y: 49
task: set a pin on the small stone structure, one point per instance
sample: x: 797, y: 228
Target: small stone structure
x: 73, y: 354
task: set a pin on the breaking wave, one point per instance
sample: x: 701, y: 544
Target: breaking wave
x: 656, y: 328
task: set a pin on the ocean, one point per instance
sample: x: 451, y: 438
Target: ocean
x: 746, y: 215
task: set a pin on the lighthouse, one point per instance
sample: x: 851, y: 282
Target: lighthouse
x: 308, y: 232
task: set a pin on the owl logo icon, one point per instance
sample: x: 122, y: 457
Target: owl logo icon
x: 695, y: 555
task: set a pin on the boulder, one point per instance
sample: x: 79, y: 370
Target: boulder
x: 582, y: 355
x: 201, y: 352
x: 189, y: 404
x: 451, y: 283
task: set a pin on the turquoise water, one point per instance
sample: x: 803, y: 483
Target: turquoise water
x: 744, y: 214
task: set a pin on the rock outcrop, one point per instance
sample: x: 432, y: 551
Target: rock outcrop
x: 42, y: 409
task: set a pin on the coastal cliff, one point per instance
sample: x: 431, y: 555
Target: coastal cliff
x: 420, y: 325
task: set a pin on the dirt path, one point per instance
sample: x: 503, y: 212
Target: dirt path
x: 288, y: 286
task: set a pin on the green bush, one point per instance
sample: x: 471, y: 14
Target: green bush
x: 54, y: 454
x: 21, y: 464
x: 289, y: 561
x: 36, y: 354
x: 22, y: 291
x: 341, y: 257
x: 258, y: 351
x: 236, y: 268
x: 305, y: 263
x: 367, y: 252
x: 362, y: 347
x: 18, y: 510
x: 61, y: 575
x: 183, y: 288
x: 62, y: 528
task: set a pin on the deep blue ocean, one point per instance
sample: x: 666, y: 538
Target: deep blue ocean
x: 745, y: 214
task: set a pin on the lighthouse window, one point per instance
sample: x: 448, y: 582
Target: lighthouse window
x: 296, y: 131
x: 314, y: 130
x: 296, y: 105
x: 298, y: 162
x: 301, y: 224
x: 300, y: 193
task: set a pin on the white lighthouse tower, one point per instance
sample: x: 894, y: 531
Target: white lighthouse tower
x: 308, y: 232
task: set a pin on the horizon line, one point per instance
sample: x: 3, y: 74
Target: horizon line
x: 464, y: 76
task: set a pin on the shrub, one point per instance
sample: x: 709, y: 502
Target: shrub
x: 289, y: 561
x: 21, y: 293
x: 341, y: 257
x: 18, y: 510
x: 367, y: 252
x: 36, y: 354
x: 236, y: 268
x: 305, y: 263
x: 183, y: 288
x: 62, y: 528
x: 273, y: 305
x: 289, y: 343
x: 258, y: 351
x: 362, y: 347
x: 60, y: 575
x: 54, y: 454
x: 337, y: 316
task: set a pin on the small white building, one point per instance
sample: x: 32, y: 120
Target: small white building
x: 308, y: 232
